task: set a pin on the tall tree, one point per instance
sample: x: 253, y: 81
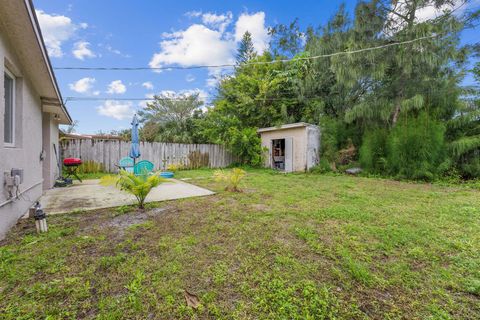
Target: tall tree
x: 246, y: 50
x: 170, y: 118
x: 405, y: 78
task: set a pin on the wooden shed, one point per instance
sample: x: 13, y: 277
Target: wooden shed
x: 291, y: 147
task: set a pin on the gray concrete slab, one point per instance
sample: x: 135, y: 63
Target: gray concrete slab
x: 91, y: 195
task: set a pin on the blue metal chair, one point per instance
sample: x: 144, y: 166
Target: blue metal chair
x: 126, y: 164
x: 143, y: 167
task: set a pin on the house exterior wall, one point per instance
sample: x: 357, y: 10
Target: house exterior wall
x: 299, y: 138
x: 50, y: 134
x: 25, y: 153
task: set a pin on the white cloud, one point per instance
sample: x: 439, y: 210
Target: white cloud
x: 83, y: 85
x: 215, y: 75
x: 217, y: 21
x: 96, y: 93
x: 210, y: 43
x: 190, y: 78
x: 428, y: 12
x: 149, y: 97
x: 148, y: 85
x: 255, y: 24
x: 197, y: 45
x: 81, y: 50
x: 111, y: 49
x: 56, y: 29
x: 119, y: 110
x: 193, y: 14
x: 202, y: 94
x: 117, y: 87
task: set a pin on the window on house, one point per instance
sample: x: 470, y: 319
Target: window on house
x: 9, y: 114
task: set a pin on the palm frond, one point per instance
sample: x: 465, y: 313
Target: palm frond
x: 138, y: 186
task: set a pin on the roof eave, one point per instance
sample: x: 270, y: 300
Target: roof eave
x: 38, y: 34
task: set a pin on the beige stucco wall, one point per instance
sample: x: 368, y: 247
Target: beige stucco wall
x: 28, y: 139
x: 50, y: 134
x: 299, y: 138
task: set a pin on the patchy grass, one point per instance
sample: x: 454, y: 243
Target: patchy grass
x: 299, y: 246
x: 90, y: 176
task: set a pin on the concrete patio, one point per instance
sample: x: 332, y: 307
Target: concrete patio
x: 90, y: 195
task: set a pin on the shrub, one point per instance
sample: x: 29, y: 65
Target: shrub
x: 246, y: 145
x: 373, y: 150
x: 90, y: 166
x: 471, y: 168
x: 138, y: 186
x: 322, y: 167
x: 337, y: 135
x: 175, y: 167
x: 416, y: 148
x: 232, y: 178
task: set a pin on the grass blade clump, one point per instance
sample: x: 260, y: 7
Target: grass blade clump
x: 231, y: 178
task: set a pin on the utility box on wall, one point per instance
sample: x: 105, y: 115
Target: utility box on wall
x: 291, y: 147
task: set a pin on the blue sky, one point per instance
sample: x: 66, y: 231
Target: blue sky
x: 157, y: 33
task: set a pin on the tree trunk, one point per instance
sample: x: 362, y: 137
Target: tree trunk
x: 396, y: 113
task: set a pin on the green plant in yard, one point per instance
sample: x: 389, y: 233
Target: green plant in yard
x: 90, y: 166
x: 138, y: 186
x: 232, y: 178
x: 416, y: 148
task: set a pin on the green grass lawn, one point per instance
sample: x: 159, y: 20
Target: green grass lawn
x: 298, y: 246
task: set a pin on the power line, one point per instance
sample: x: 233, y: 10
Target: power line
x: 78, y: 99
x: 249, y: 63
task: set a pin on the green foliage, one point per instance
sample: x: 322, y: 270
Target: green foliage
x: 172, y: 118
x: 464, y: 145
x: 138, y: 186
x: 373, y: 151
x: 246, y: 51
x: 90, y: 166
x: 123, y: 210
x: 470, y: 167
x: 323, y: 166
x: 415, y: 73
x: 303, y: 300
x: 336, y: 135
x: 416, y: 148
x: 246, y: 145
x: 232, y: 178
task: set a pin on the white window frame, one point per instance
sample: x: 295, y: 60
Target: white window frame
x: 11, y: 75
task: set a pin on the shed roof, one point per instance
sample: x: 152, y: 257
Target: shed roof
x: 287, y: 126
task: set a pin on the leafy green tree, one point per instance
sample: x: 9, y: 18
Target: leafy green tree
x: 370, y: 97
x: 463, y: 132
x: 257, y: 95
x: 287, y: 40
x: 171, y: 118
x: 407, y: 78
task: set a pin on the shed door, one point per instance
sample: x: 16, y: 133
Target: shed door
x: 288, y: 154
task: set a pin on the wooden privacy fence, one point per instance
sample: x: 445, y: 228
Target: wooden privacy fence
x: 109, y: 153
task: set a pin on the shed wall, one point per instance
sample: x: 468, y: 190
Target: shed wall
x: 313, y: 146
x: 299, y: 137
